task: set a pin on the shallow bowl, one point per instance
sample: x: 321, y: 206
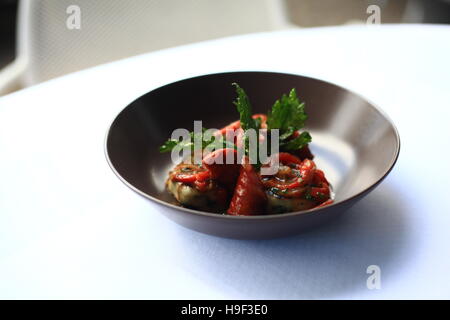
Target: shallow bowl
x: 353, y: 142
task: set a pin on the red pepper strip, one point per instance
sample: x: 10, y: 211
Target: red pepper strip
x: 237, y: 124
x: 320, y: 193
x: 201, y: 185
x: 292, y: 185
x: 224, y: 173
x: 249, y: 197
x: 192, y: 177
x: 329, y: 201
x: 319, y: 177
x: 287, y: 158
x: 232, y: 126
x: 201, y: 182
x: 185, y: 177
x: 203, y: 175
x: 307, y: 170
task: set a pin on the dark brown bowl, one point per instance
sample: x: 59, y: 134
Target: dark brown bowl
x: 353, y: 142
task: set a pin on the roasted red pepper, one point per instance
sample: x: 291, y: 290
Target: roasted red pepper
x: 192, y: 174
x: 249, y: 197
x: 293, y: 173
x: 237, y: 124
x: 298, y: 179
x: 224, y: 173
x: 189, y: 173
x: 320, y: 190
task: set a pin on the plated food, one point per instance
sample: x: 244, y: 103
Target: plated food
x: 354, y: 143
x: 224, y: 170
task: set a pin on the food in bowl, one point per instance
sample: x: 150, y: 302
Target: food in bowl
x: 227, y: 171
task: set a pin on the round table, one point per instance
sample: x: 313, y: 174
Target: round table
x: 70, y: 229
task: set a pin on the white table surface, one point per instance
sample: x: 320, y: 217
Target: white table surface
x: 70, y: 229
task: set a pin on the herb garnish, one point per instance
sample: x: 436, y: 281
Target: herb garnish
x: 244, y: 108
x: 288, y: 115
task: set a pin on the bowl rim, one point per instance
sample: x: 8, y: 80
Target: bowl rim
x: 315, y: 210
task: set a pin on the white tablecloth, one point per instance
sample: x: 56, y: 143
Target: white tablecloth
x: 70, y: 229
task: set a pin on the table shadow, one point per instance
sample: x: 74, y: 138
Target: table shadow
x: 327, y: 262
